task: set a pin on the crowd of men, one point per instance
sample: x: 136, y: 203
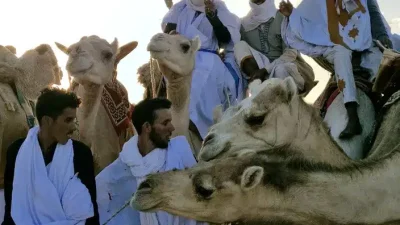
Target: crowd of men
x: 266, y: 43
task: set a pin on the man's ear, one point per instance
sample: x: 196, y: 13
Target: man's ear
x: 146, y: 127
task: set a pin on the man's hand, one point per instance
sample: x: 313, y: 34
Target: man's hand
x: 286, y: 8
x: 385, y: 40
x: 221, y: 54
x: 210, y: 7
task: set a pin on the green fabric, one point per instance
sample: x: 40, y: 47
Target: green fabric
x: 273, y: 46
x: 30, y: 119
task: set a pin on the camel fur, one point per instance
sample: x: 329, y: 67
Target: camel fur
x: 91, y: 63
x: 254, y: 188
x: 29, y: 74
x: 175, y: 56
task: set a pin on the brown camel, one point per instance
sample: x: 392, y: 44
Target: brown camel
x: 21, y: 81
x: 92, y: 62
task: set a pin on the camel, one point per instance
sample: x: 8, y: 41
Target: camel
x: 22, y: 80
x: 276, y: 115
x: 336, y: 116
x: 252, y: 188
x: 175, y: 56
x: 91, y: 63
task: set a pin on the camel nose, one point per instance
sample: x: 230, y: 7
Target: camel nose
x: 209, y: 138
x: 145, y: 185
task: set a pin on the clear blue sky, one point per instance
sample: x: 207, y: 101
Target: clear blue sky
x: 28, y: 23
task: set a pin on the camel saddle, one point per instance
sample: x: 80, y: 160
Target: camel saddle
x: 115, y: 101
x: 387, y: 81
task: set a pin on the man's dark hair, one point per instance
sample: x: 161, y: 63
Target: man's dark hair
x: 145, y: 111
x: 53, y: 101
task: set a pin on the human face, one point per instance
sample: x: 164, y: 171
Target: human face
x: 162, y: 128
x: 258, y: 2
x: 63, y: 126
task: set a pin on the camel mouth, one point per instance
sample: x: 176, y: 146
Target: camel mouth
x: 142, y: 201
x: 80, y: 72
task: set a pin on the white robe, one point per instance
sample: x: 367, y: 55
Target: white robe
x: 51, y: 195
x: 117, y: 183
x: 213, y: 84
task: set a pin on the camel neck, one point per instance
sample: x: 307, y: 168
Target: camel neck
x: 178, y: 92
x: 91, y: 97
x: 314, y: 140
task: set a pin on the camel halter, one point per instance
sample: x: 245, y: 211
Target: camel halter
x: 153, y: 79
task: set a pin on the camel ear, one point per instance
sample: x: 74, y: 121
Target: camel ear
x: 196, y: 43
x: 125, y: 50
x: 62, y: 47
x: 12, y: 49
x: 217, y: 113
x: 42, y: 49
x: 251, y: 177
x: 114, y: 45
x: 290, y: 87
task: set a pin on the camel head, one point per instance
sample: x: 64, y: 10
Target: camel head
x: 174, y: 53
x: 274, y: 115
x: 220, y: 191
x: 39, y: 69
x: 93, y: 60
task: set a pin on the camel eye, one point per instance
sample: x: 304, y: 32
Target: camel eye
x: 185, y: 47
x: 107, y: 55
x: 255, y: 120
x: 204, y: 193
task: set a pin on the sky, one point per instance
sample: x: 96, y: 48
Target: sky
x: 29, y: 23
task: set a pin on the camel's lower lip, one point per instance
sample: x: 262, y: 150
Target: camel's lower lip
x: 138, y: 203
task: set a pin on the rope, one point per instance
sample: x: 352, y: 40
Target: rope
x: 116, y: 213
x: 153, y: 79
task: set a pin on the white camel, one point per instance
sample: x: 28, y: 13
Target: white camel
x: 175, y: 56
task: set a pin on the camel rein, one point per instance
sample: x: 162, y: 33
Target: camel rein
x: 153, y: 80
x: 117, y: 212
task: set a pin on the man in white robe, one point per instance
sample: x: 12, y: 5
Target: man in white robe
x: 333, y: 29
x: 150, y: 151
x: 262, y: 53
x: 49, y: 178
x: 215, y: 81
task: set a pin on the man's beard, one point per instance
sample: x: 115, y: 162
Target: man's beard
x: 157, y: 140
